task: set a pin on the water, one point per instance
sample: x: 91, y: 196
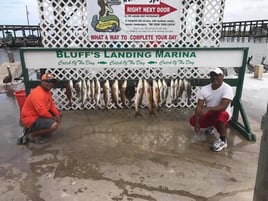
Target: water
x: 4, y: 55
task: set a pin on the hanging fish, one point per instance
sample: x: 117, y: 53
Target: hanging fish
x: 176, y: 90
x: 92, y: 90
x: 165, y: 91
x: 161, y: 94
x: 130, y: 93
x: 78, y: 89
x: 68, y: 92
x: 97, y: 93
x: 156, y: 93
x: 138, y: 97
x: 188, y: 89
x: 115, y: 93
x: 123, y: 93
x: 88, y: 90
x: 84, y: 92
x: 149, y: 96
x: 180, y: 88
x: 172, y: 90
x: 106, y: 94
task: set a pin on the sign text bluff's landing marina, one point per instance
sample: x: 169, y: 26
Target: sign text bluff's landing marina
x: 125, y: 54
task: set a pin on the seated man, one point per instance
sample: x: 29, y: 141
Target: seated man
x: 214, y: 108
x: 39, y: 114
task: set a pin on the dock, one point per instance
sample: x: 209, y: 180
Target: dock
x: 241, y: 30
x: 20, y: 36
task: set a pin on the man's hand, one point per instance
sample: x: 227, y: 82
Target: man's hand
x: 58, y: 118
x: 197, y: 127
x: 203, y: 111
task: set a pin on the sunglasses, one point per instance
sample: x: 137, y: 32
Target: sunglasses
x: 52, y: 81
x: 214, y: 74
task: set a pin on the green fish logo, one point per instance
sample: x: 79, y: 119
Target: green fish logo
x: 102, y: 62
x: 152, y: 62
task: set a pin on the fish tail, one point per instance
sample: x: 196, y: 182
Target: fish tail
x: 118, y: 106
x: 70, y: 104
x: 188, y: 101
x: 137, y: 113
x: 151, y: 112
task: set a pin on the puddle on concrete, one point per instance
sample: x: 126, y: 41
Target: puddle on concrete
x: 131, y: 153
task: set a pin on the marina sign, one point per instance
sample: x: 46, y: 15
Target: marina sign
x: 132, y: 58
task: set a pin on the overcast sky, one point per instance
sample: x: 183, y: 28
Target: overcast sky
x: 14, y: 11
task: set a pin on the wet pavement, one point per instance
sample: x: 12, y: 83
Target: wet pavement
x: 111, y: 155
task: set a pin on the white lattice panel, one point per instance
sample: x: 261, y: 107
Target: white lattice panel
x: 64, y: 24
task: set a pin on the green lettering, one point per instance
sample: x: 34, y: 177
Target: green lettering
x: 59, y: 54
x: 159, y: 53
x: 193, y: 54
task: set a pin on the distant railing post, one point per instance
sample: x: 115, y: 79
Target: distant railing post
x: 10, y: 56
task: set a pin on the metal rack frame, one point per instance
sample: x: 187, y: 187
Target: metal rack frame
x: 196, y: 81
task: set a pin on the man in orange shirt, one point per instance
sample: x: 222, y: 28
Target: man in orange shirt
x: 39, y: 114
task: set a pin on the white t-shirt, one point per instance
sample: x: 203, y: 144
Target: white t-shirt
x: 213, y: 97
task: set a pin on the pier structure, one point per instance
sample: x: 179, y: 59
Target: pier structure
x: 20, y: 36
x: 245, y: 30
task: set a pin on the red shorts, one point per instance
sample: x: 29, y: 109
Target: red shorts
x: 211, y: 119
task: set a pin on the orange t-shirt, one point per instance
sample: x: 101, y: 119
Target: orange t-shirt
x: 39, y: 103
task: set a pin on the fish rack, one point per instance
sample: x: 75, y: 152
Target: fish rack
x: 196, y: 76
x: 65, y: 75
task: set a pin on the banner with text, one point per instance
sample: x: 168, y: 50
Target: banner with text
x: 132, y: 58
x: 134, y: 20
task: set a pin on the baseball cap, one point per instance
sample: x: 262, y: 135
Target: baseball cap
x: 217, y: 70
x: 48, y: 77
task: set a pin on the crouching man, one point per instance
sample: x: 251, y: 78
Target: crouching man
x: 214, y: 108
x: 39, y: 114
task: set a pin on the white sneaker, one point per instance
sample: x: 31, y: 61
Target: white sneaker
x: 219, y: 145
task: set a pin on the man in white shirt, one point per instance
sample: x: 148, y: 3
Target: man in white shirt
x: 214, y: 108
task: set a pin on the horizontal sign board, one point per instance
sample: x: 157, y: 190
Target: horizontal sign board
x: 132, y: 58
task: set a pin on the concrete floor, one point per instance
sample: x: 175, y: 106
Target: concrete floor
x: 111, y: 155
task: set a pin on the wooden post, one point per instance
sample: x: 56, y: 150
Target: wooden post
x: 10, y: 56
x: 258, y: 71
x: 261, y: 190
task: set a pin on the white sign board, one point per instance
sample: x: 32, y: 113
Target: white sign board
x: 132, y: 58
x: 138, y: 20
